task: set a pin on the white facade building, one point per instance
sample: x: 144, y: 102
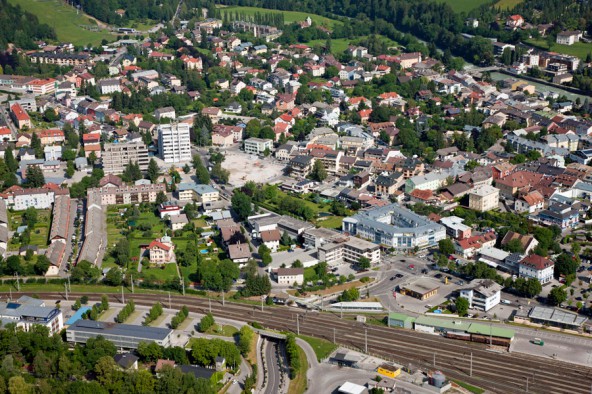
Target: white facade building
x: 257, y: 146
x: 174, y: 142
x: 289, y: 276
x: 538, y: 267
x: 484, y: 294
x: 484, y: 198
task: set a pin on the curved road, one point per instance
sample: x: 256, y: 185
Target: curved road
x: 273, y: 367
x: 499, y: 372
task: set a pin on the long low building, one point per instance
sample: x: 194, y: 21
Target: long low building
x: 94, y: 228
x: 395, y: 227
x: 122, y: 335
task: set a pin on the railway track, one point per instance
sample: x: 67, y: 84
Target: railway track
x: 495, y: 371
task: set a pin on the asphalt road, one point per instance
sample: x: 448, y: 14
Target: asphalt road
x: 499, y: 372
x: 273, y: 367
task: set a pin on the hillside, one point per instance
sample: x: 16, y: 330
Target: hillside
x: 67, y: 25
x: 20, y: 27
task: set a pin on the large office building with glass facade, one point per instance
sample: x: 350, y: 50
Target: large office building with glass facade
x: 395, y: 227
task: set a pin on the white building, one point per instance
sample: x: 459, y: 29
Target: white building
x: 52, y: 152
x: 197, y: 192
x: 289, y: 276
x: 27, y: 312
x: 483, y: 294
x: 484, y: 198
x: 568, y: 37
x: 109, y: 86
x: 256, y: 146
x: 394, y: 226
x: 432, y: 181
x: 538, y: 267
x: 20, y: 199
x: 174, y: 142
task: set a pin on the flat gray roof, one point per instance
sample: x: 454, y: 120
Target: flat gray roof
x: 557, y: 316
x: 124, y: 330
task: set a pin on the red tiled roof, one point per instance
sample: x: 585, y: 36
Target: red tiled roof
x: 19, y: 112
x: 159, y: 245
x: 537, y: 262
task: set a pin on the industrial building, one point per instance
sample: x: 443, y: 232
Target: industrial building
x: 122, y: 335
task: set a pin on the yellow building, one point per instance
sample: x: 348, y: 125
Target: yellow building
x: 389, y: 370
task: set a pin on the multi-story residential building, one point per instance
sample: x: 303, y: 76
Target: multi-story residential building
x: 271, y: 239
x: 20, y: 199
x: 52, y: 152
x: 20, y: 117
x: 197, y: 192
x: 389, y: 184
x: 42, y: 86
x: 483, y: 294
x: 61, y: 59
x: 394, y: 226
x: 432, y: 181
x: 531, y: 202
x: 538, y: 267
x: 289, y: 276
x: 109, y: 86
x: 166, y: 112
x: 484, y: 198
x: 348, y: 250
x: 27, y: 312
x: 128, y: 194
x: 256, y: 146
x: 455, y: 228
x: 117, y: 156
x: 174, y: 142
x: 300, y: 166
x: 560, y: 214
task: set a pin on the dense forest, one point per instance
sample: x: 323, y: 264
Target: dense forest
x: 21, y: 28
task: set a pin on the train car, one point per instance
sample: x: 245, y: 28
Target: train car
x: 458, y: 335
x: 494, y: 340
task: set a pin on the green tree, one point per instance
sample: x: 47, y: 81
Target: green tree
x: 514, y: 246
x: 41, y: 265
x: 35, y: 177
x: 364, y: 263
x: 206, y: 322
x: 161, y: 197
x: 121, y: 252
x: 566, y: 264
x: 462, y: 306
x: 149, y: 351
x: 153, y: 171
x: 532, y: 287
x: 30, y: 217
x: 264, y: 254
x: 319, y: 172
x: 10, y: 161
x: 557, y: 295
x: 18, y: 385
x: 242, y: 205
x: 446, y: 246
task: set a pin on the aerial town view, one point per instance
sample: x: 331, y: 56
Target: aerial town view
x: 295, y: 196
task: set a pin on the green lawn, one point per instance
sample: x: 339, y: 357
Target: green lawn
x: 289, y: 16
x: 298, y: 385
x: 321, y: 347
x: 579, y: 49
x: 465, y: 5
x: 466, y: 386
x: 67, y: 24
x: 163, y: 272
x: 222, y: 330
x: 507, y: 4
x: 331, y: 222
x: 339, y: 45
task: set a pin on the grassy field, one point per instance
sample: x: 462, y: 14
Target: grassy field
x: 466, y: 5
x: 579, y: 49
x: 298, y: 385
x: 321, y: 347
x: 339, y: 45
x: 289, y: 16
x: 331, y: 222
x: 65, y: 21
x: 222, y: 330
x: 466, y: 386
x: 507, y: 4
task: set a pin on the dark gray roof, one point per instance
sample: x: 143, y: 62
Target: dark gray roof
x: 124, y: 330
x: 197, y: 371
x: 125, y: 360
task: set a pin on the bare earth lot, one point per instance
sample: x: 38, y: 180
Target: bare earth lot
x: 244, y: 167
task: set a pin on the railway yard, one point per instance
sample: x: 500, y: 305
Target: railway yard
x: 492, y: 369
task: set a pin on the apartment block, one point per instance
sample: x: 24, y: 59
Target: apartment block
x: 117, y: 156
x: 174, y: 142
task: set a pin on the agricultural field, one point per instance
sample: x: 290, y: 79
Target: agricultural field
x: 468, y: 5
x: 579, y: 49
x: 507, y: 4
x: 289, y: 16
x: 66, y: 22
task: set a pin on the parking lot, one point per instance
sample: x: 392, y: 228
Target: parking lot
x: 556, y: 346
